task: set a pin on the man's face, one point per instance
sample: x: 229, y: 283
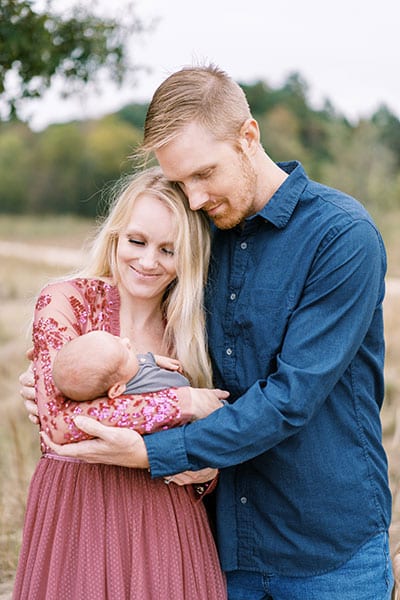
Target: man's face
x: 215, y: 176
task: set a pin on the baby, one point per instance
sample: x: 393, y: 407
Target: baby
x: 99, y: 364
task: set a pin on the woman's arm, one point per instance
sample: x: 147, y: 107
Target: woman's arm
x: 144, y: 413
x: 62, y: 312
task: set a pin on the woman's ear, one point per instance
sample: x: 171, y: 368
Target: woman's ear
x: 116, y: 390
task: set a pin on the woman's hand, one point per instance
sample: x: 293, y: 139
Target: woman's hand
x: 165, y: 362
x: 27, y: 391
x: 112, y: 446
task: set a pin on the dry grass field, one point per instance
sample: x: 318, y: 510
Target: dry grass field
x: 31, y: 252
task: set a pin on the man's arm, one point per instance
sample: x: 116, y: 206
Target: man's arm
x: 342, y: 296
x: 112, y: 446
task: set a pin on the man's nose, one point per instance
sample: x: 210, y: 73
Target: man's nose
x: 197, y: 197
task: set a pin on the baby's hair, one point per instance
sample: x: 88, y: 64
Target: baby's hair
x: 87, y: 366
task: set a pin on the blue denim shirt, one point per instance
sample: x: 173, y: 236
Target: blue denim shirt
x: 296, y: 335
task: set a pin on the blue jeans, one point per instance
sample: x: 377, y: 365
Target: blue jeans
x: 366, y: 576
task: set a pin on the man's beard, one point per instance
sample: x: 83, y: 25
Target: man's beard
x: 243, y: 208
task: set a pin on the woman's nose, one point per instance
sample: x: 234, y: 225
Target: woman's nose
x: 148, y: 258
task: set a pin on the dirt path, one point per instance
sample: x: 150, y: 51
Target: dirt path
x: 6, y: 590
x: 50, y: 255
x: 393, y: 286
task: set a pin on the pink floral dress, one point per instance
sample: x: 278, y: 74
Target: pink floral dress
x: 103, y: 532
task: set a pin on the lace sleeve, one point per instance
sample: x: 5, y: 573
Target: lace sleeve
x: 62, y: 312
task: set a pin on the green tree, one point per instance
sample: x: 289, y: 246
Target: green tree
x: 290, y: 128
x: 135, y: 114
x: 363, y: 167
x: 74, y: 162
x: 260, y: 96
x: 388, y: 126
x: 78, y: 46
x: 280, y: 134
x: 109, y: 142
x: 17, y: 144
x: 62, y: 175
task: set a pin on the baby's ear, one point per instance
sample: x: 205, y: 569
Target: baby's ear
x: 116, y: 390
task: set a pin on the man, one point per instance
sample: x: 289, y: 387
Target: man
x: 295, y: 332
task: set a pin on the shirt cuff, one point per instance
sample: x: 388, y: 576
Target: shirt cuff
x: 166, y: 452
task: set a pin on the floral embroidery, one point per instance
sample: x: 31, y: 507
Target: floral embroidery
x: 43, y: 301
x: 84, y: 305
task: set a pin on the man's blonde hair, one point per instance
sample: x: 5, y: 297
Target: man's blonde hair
x: 183, y: 302
x: 202, y: 94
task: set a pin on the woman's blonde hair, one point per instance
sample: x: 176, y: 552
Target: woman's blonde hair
x: 183, y: 302
x: 202, y: 94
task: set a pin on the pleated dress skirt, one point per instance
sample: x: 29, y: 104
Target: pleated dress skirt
x: 100, y: 532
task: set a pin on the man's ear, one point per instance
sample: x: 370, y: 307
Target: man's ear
x: 249, y: 135
x: 116, y: 390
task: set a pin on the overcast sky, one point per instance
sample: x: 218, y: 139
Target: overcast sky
x: 347, y: 51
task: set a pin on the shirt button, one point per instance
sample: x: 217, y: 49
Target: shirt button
x: 243, y: 245
x: 229, y: 351
x: 233, y: 296
x: 243, y: 500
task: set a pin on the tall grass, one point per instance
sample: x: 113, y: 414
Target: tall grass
x: 389, y: 224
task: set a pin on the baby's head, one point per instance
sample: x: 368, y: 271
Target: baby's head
x: 93, y: 365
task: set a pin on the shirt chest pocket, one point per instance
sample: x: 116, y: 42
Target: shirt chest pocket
x: 262, y: 318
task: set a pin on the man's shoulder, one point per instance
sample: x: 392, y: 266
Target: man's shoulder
x: 335, y: 201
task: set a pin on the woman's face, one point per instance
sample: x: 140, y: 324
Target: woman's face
x: 145, y: 254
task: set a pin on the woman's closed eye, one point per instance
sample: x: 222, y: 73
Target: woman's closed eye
x: 163, y: 249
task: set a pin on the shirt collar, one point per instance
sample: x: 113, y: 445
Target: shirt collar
x: 281, y: 205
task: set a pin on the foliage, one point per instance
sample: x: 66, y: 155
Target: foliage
x: 65, y: 168
x: 36, y: 46
x: 135, y: 114
x: 388, y: 126
x: 362, y: 159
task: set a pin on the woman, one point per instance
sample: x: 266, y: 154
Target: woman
x: 108, y: 532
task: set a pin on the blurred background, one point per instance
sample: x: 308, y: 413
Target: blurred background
x: 75, y: 81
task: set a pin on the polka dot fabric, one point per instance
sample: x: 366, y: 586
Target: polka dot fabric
x: 100, y: 532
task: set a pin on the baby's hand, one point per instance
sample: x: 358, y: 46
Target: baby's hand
x: 165, y: 362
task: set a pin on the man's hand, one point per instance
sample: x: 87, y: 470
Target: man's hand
x: 112, y: 446
x: 189, y: 477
